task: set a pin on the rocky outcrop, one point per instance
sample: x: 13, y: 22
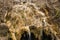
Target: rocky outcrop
x: 29, y: 20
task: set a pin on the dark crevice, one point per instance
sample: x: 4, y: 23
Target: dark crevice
x: 32, y: 36
x: 25, y: 36
x: 46, y: 37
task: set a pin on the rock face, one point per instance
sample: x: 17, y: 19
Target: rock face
x: 29, y: 20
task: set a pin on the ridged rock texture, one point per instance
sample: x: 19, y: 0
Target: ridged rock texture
x: 29, y: 19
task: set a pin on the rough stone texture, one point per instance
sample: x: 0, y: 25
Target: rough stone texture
x: 32, y: 19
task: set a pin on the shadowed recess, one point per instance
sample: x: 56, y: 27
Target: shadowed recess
x: 33, y: 36
x: 46, y: 37
x: 25, y: 36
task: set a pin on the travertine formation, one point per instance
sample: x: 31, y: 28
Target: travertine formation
x: 29, y: 20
